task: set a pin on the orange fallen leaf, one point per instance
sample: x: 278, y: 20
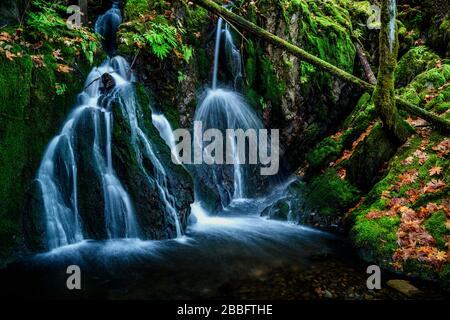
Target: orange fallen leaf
x: 342, y: 173
x: 57, y: 54
x: 435, y: 171
x: 5, y: 36
x: 63, y: 68
x: 434, y: 186
x: 10, y: 56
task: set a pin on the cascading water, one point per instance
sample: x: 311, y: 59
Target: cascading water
x: 392, y: 9
x: 58, y: 172
x: 165, y: 131
x: 223, y: 109
x: 107, y: 25
x: 59, y: 188
x: 233, y: 57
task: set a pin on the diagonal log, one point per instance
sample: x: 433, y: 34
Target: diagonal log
x: 365, y: 64
x: 253, y: 29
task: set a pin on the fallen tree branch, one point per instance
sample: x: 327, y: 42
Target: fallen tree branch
x: 253, y: 29
x: 365, y: 64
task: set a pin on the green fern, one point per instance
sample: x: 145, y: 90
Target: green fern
x: 162, y: 39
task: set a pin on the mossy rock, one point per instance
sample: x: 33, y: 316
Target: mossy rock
x: 413, y: 63
x: 328, y: 194
x: 278, y: 211
x: 370, y: 155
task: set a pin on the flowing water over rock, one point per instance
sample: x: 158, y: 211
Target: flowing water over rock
x: 107, y: 25
x: 59, y: 168
x: 86, y: 141
x: 223, y: 109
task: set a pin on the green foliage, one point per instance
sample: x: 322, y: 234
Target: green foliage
x: 135, y: 8
x: 428, y: 88
x: 46, y: 23
x: 324, y: 152
x: 331, y: 195
x: 61, y: 88
x: 152, y: 32
x: 414, y: 62
x: 181, y: 77
x: 435, y: 226
x: 161, y: 38
x: 274, y: 87
x: 380, y: 231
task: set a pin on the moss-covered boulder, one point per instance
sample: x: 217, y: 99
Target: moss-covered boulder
x: 413, y: 63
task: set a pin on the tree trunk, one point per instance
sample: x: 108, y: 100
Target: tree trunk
x: 384, y: 94
x: 253, y: 29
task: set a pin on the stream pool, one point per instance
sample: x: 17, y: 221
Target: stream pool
x: 236, y: 254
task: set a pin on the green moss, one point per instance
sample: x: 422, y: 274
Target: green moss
x: 274, y: 88
x: 377, y: 237
x: 15, y: 79
x: 324, y: 152
x: 250, y: 64
x: 435, y: 226
x: 30, y: 114
x: 432, y: 78
x: 203, y: 62
x: 414, y: 62
x: 369, y: 156
x: 330, y: 195
x: 135, y: 8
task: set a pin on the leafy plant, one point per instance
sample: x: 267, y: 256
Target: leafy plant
x: 61, y: 88
x: 181, y: 77
x: 161, y: 37
x: 46, y: 24
x: 158, y: 34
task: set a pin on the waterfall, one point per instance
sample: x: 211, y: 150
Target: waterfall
x: 217, y: 52
x: 224, y: 109
x: 165, y: 131
x: 107, y: 25
x: 58, y: 172
x: 392, y: 9
x: 233, y: 57
x: 59, y: 188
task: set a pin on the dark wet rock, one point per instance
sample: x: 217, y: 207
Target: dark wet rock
x: 33, y: 222
x: 108, y: 82
x: 90, y: 191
